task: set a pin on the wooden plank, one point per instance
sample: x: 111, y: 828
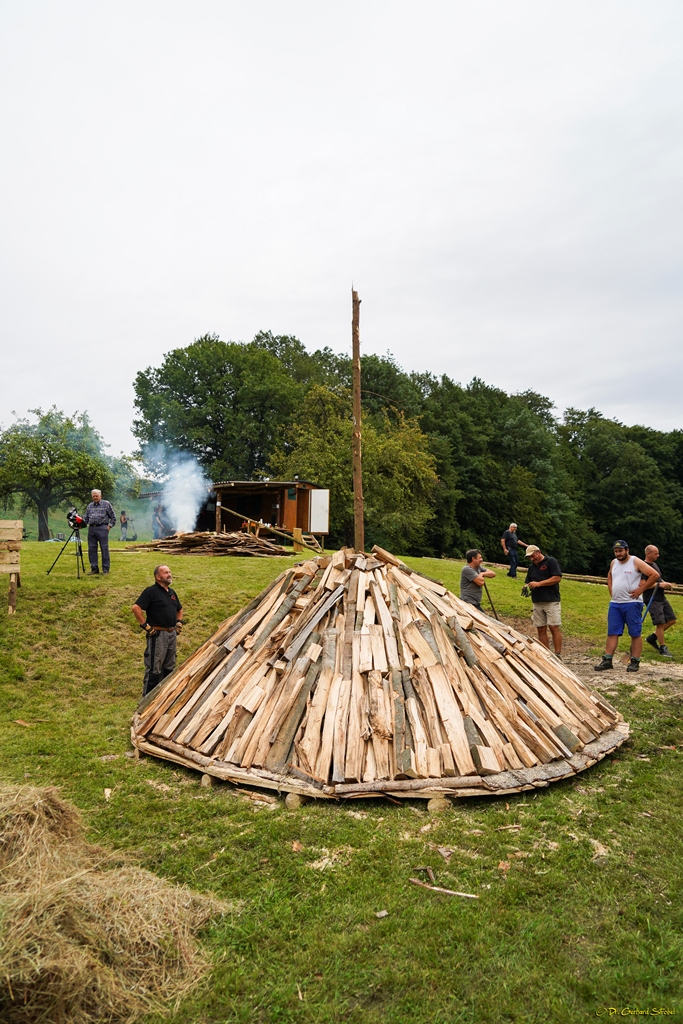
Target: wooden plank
x: 279, y: 751
x: 447, y: 760
x: 303, y: 636
x: 340, y: 729
x: 355, y: 745
x: 452, y: 719
x: 485, y: 759
x: 379, y: 654
x: 324, y: 760
x: 12, y: 595
x: 419, y: 645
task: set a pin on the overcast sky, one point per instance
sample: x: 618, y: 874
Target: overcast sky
x: 501, y: 182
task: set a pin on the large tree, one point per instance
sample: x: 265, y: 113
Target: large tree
x: 398, y: 469
x: 51, y: 462
x: 223, y: 402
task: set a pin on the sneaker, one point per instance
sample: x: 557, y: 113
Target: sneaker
x: 665, y: 652
x: 633, y: 665
x: 558, y: 656
x: 105, y: 572
x: 652, y: 640
x: 604, y: 664
x: 94, y: 572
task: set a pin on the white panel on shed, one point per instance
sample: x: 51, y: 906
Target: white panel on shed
x: 320, y: 512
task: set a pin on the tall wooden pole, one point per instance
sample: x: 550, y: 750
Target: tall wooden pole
x: 358, y: 526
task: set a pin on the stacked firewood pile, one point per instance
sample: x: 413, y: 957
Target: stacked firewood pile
x: 214, y: 544
x: 354, y: 674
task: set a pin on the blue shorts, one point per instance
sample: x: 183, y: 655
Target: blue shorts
x: 629, y: 614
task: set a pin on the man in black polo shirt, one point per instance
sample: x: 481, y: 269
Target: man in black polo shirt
x: 543, y: 580
x: 162, y: 625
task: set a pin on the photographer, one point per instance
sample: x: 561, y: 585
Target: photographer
x: 543, y: 580
x: 162, y: 625
x: 99, y: 517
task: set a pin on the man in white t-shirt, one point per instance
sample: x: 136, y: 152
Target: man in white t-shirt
x: 627, y: 579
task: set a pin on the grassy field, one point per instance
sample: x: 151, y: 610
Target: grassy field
x: 580, y: 903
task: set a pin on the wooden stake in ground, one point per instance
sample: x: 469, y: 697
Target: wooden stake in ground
x: 11, y: 531
x: 358, y: 526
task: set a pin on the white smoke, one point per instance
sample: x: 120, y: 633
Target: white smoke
x: 185, y: 491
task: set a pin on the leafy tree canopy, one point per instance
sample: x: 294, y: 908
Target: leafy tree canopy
x: 50, y: 463
x: 446, y: 466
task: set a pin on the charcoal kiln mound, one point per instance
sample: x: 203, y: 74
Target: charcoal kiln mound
x: 354, y: 675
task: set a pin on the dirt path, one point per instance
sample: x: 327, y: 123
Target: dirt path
x: 575, y: 655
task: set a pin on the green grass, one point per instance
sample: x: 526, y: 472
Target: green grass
x: 592, y: 917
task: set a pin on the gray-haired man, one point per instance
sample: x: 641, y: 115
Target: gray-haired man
x: 99, y: 515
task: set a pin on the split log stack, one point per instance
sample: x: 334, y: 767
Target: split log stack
x: 200, y: 543
x: 354, y: 675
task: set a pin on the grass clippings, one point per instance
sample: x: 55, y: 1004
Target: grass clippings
x: 84, y: 938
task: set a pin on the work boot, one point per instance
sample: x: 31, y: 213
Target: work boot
x: 665, y: 652
x: 633, y: 665
x: 652, y: 640
x: 604, y: 664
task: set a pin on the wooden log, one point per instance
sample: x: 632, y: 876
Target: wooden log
x: 324, y: 760
x: 279, y: 751
x: 311, y: 740
x: 284, y: 609
x: 341, y: 720
x: 447, y: 760
x: 413, y: 785
x: 12, y: 596
x: 296, y: 646
x: 452, y: 719
x: 462, y: 641
x: 355, y: 744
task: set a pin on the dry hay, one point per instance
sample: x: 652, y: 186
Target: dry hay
x: 84, y: 936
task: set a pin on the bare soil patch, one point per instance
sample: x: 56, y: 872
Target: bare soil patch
x: 575, y: 654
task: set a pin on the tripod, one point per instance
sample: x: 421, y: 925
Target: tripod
x: 79, y: 553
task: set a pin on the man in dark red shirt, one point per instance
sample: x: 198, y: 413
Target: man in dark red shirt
x: 159, y: 613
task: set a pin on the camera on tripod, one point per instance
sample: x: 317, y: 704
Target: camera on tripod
x: 75, y: 520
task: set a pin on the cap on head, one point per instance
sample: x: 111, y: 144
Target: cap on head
x: 532, y: 549
x: 620, y: 544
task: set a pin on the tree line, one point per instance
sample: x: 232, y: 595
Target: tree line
x: 446, y: 466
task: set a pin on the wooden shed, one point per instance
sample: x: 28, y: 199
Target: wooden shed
x: 285, y: 504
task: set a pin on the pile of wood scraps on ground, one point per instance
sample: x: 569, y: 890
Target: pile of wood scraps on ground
x: 354, y: 675
x: 201, y: 543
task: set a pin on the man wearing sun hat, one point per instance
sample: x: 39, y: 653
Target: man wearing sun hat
x: 543, y: 580
x: 627, y: 579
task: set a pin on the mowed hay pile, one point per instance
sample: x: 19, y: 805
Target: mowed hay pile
x: 82, y: 939
x: 199, y: 543
x: 354, y: 674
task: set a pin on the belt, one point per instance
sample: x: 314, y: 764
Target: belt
x: 164, y: 629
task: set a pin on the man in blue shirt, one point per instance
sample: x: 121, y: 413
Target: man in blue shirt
x: 99, y: 515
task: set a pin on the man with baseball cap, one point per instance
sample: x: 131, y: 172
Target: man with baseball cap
x: 543, y: 580
x: 627, y: 579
